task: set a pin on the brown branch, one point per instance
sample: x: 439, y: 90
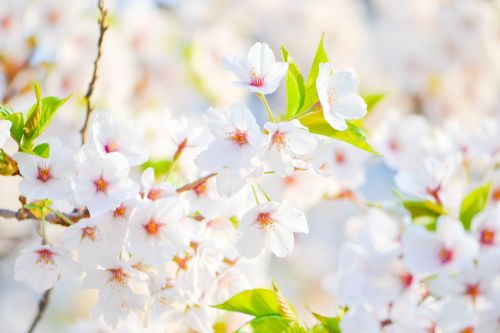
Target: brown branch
x: 197, y: 182
x: 26, y: 214
x: 42, y: 306
x: 103, y: 13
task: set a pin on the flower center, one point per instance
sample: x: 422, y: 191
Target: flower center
x: 118, y: 276
x: 120, y: 211
x: 473, y: 291
x: 101, y: 185
x: 406, y: 279
x: 152, y: 228
x: 340, y: 157
x: 45, y: 257
x: 155, y: 194
x: 394, y: 145
x: 468, y: 330
x: 88, y: 232
x: 434, y: 192
x: 279, y: 139
x: 256, y: 79
x: 111, y: 146
x: 265, y: 221
x: 487, y: 237
x: 496, y: 195
x: 44, y: 174
x: 240, y: 138
x: 445, y: 255
x: 6, y: 22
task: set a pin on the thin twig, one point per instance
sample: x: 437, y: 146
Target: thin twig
x: 197, y: 182
x: 25, y: 214
x: 42, y: 306
x: 103, y: 13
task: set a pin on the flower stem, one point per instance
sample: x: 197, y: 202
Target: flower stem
x: 267, y: 107
x: 61, y: 216
x: 255, y: 196
x: 268, y: 198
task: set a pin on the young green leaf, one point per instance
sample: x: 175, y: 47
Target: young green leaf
x: 473, y: 204
x: 255, y: 302
x: 40, y: 115
x: 8, y: 166
x: 330, y: 324
x: 295, y: 88
x: 353, y: 135
x: 160, y: 167
x: 424, y: 212
x: 16, y: 130
x: 372, y: 100
x: 311, y: 94
x: 5, y: 111
x: 42, y: 150
x: 266, y: 324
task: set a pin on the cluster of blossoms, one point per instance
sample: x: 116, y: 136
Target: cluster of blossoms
x: 431, y: 262
x: 156, y: 250
x: 162, y: 242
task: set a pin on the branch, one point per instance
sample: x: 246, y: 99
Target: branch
x: 42, y: 306
x: 26, y: 214
x: 197, y: 182
x: 103, y: 13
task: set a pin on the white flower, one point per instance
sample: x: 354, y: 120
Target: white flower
x: 238, y: 140
x: 287, y: 142
x: 102, y: 184
x: 114, y: 225
x: 486, y: 227
x: 337, y: 92
x: 109, y: 136
x: 157, y: 232
x: 46, y: 178
x: 259, y: 72
x: 358, y: 320
x: 41, y: 266
x: 270, y: 226
x: 5, y: 126
x: 152, y: 190
x: 432, y: 180
x: 122, y: 289
x: 342, y: 161
x: 184, y: 132
x: 205, y: 200
x: 86, y: 237
x: 448, y: 248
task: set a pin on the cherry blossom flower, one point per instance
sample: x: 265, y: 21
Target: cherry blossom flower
x: 270, y: 226
x: 41, y: 266
x: 109, y: 136
x: 46, y: 178
x: 486, y: 228
x: 152, y: 190
x: 337, y: 92
x: 432, y: 181
x: 157, y: 231
x: 446, y: 249
x: 122, y: 289
x: 86, y: 237
x: 287, y: 142
x: 102, y: 184
x: 238, y: 139
x: 259, y: 72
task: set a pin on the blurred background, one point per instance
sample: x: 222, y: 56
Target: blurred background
x: 436, y: 58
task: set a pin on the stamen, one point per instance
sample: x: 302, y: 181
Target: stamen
x: 445, y: 255
x: 152, y: 227
x: 240, y: 138
x: 101, y: 185
x: 256, y: 79
x: 487, y: 237
x: 44, y: 174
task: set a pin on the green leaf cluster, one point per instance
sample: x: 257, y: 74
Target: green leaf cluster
x: 303, y: 102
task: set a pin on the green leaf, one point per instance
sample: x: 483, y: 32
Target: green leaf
x: 39, y: 116
x: 331, y: 324
x: 424, y: 212
x: 295, y: 88
x: 473, y: 204
x: 311, y: 94
x: 353, y: 135
x: 5, y: 111
x: 372, y: 100
x: 255, y: 302
x: 16, y: 130
x: 39, y: 208
x: 8, y: 166
x: 42, y: 150
x: 267, y: 324
x: 160, y: 167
